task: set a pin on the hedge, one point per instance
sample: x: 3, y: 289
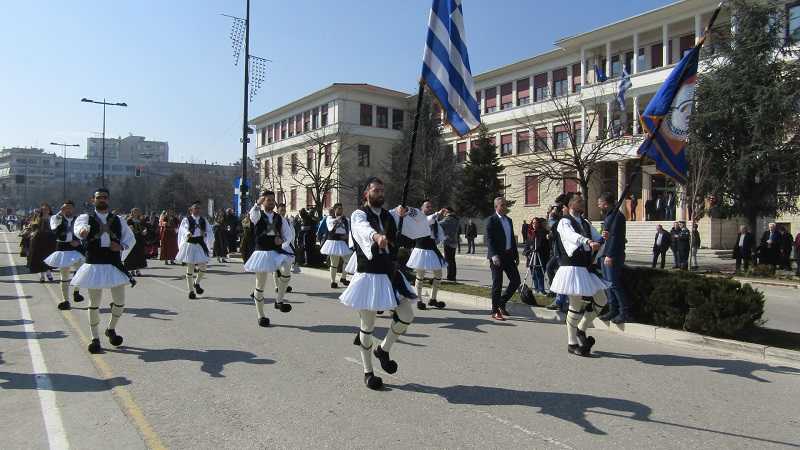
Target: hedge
x: 687, y: 301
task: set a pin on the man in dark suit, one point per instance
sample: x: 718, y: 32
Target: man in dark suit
x: 743, y: 249
x: 658, y: 208
x: 669, y: 206
x: 649, y: 209
x: 501, y: 250
x: 660, y: 245
x: 675, y: 234
x: 768, y: 253
x: 613, y: 259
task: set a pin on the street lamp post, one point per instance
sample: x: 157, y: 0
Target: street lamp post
x: 64, y: 146
x: 103, y: 154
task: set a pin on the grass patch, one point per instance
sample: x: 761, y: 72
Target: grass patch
x: 482, y: 291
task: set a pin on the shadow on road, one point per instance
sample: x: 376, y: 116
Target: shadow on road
x: 739, y: 368
x: 35, y: 335
x: 459, y: 323
x: 15, y: 322
x: 213, y: 362
x: 61, y: 382
x: 145, y: 313
x: 345, y: 329
x: 7, y: 271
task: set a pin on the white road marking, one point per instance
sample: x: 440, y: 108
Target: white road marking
x: 506, y: 422
x: 54, y: 425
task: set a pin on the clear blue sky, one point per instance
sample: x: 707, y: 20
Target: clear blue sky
x: 171, y: 60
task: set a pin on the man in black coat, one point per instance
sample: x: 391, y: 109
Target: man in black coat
x: 684, y: 236
x: 613, y: 259
x: 660, y: 245
x: 674, y: 234
x: 743, y: 250
x: 501, y: 251
x: 768, y: 250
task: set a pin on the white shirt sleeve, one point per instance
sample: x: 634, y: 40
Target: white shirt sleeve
x: 209, y: 237
x: 127, y: 240
x: 415, y: 224
x: 81, y: 224
x: 55, y: 221
x: 287, y: 232
x: 329, y: 222
x: 569, y: 238
x: 362, y: 232
x: 255, y: 214
x: 183, y: 232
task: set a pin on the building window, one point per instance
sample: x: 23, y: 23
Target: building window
x: 366, y: 115
x: 641, y: 61
x: 506, y: 144
x: 284, y: 128
x: 309, y: 197
x: 576, y: 78
x: 315, y: 118
x: 306, y: 121
x: 382, y: 117
x: 298, y: 123
x: 669, y: 52
x: 310, y: 159
x: 478, y: 99
x: 578, y: 132
x: 560, y: 137
x: 327, y: 153
x: 293, y: 199
x: 793, y: 22
x: 281, y: 197
x: 506, y: 96
x: 326, y: 200
x: 523, y: 91
x: 560, y: 82
x: 363, y: 156
x: 397, y: 119
x: 570, y: 183
x: 628, y: 63
x: 280, y: 166
x: 263, y: 136
x: 270, y: 135
x: 461, y: 152
x: 291, y: 127
x: 523, y: 142
x: 491, y: 101
x: 656, y: 55
x: 267, y: 173
x: 540, y: 87
x: 294, y: 164
x: 531, y: 190
x: 686, y: 43
x: 540, y: 144
x: 324, y: 115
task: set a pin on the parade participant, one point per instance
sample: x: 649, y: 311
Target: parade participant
x: 377, y: 284
x: 270, y: 233
x: 168, y: 236
x: 67, y: 256
x: 42, y: 242
x: 335, y: 245
x: 108, y: 240
x: 426, y: 256
x: 288, y: 248
x: 577, y: 239
x: 246, y: 240
x: 195, y: 237
x: 221, y: 244
x: 137, y: 258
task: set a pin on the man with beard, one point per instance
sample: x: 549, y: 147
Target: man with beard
x: 377, y: 284
x: 426, y: 257
x: 108, y: 240
x: 195, y: 237
x: 67, y: 255
x: 270, y: 233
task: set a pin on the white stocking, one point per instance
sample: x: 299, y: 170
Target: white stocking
x: 95, y: 296
x: 437, y: 280
x: 190, y: 276
x: 64, y: 282
x: 574, y: 316
x: 420, y: 282
x: 261, y: 281
x: 201, y: 272
x: 282, y: 278
x: 402, y: 318
x: 117, y: 305
x: 334, y: 265
x: 365, y: 336
x: 599, y: 301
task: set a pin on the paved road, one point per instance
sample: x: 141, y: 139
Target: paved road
x: 782, y: 308
x: 202, y: 374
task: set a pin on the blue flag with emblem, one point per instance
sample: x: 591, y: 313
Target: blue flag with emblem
x: 445, y: 66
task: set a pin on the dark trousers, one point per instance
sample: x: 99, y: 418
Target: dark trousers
x: 508, y: 266
x: 739, y: 259
x: 659, y: 252
x: 471, y: 245
x: 616, y: 294
x: 450, y: 257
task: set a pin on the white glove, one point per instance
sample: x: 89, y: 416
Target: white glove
x: 496, y: 260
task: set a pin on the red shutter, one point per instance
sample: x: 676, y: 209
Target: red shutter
x: 655, y: 56
x: 560, y: 74
x: 576, y: 77
x: 293, y: 199
x: 540, y: 80
x: 505, y: 139
x: 491, y: 98
x: 506, y: 94
x: 531, y: 190
x: 560, y: 129
x: 523, y: 88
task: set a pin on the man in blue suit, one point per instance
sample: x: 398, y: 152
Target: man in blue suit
x: 612, y: 258
x: 501, y: 250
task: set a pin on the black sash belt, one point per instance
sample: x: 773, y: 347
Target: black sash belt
x: 199, y: 241
x: 428, y: 243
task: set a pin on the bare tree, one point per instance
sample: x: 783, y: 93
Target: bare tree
x: 555, y: 159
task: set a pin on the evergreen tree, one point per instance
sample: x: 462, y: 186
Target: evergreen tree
x: 480, y: 181
x: 175, y: 192
x: 746, y: 117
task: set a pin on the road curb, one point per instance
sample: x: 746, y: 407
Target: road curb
x: 637, y: 330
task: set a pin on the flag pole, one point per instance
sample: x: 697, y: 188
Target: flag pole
x: 414, y: 130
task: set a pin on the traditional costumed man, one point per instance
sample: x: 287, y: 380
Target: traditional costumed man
x: 335, y: 245
x: 67, y: 256
x: 426, y: 256
x: 377, y: 284
x: 195, y: 237
x: 108, y: 241
x: 271, y: 232
x: 576, y: 241
x: 288, y: 247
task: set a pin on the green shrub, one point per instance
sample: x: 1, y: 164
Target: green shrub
x: 761, y: 271
x: 687, y: 301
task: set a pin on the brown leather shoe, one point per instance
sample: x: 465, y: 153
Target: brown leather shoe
x: 498, y: 316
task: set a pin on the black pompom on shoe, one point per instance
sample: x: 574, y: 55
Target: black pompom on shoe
x: 77, y: 297
x: 586, y: 342
x: 283, y: 307
x: 373, y: 382
x: 421, y: 305
x: 288, y: 289
x: 435, y: 303
x: 344, y: 282
x: 334, y: 285
x: 387, y: 364
x: 357, y: 340
x: 64, y: 306
x: 192, y: 296
x: 94, y: 347
x: 263, y: 322
x: 198, y: 289
x: 113, y: 337
x: 577, y: 350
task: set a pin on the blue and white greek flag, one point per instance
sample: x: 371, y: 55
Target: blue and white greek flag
x: 445, y: 66
x: 624, y: 85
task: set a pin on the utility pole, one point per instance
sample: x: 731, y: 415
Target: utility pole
x: 243, y: 190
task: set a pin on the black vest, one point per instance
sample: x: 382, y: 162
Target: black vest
x: 103, y: 255
x: 427, y: 242
x: 581, y: 257
x: 264, y: 241
x: 383, y: 263
x: 61, y: 231
x: 333, y: 236
x: 193, y: 225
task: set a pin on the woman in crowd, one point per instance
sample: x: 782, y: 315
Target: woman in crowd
x: 220, y: 237
x: 42, y: 242
x: 137, y: 259
x: 537, y: 248
x: 151, y: 241
x: 168, y: 234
